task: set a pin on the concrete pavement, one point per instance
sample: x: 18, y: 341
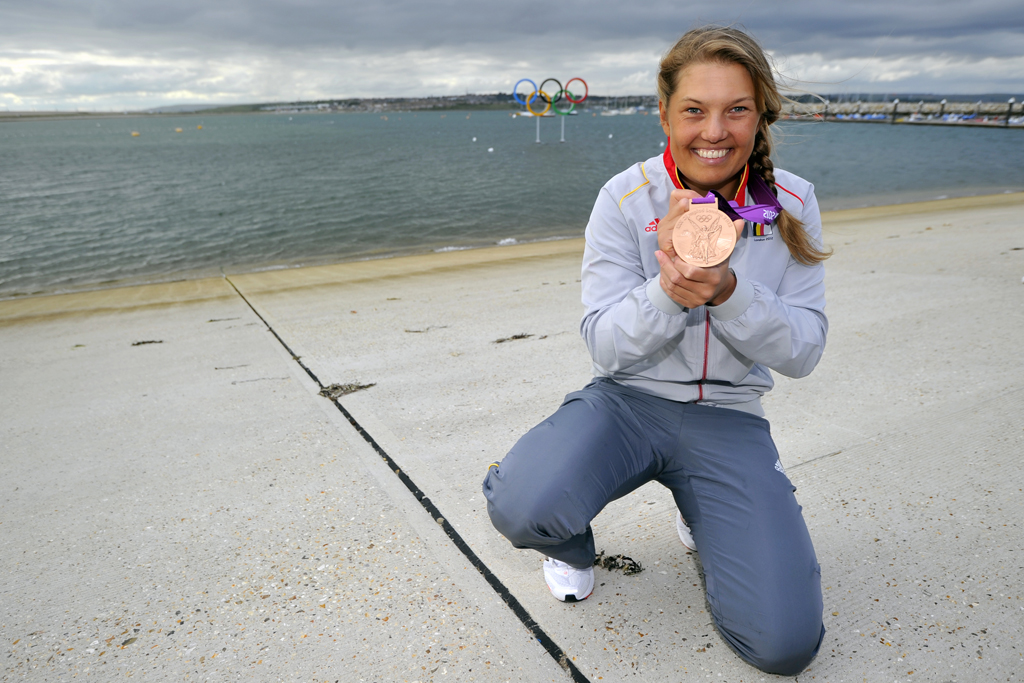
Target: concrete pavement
x: 198, y: 496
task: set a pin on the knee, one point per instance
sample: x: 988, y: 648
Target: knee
x: 527, y: 517
x: 513, y: 525
x: 785, y: 651
x: 779, y: 635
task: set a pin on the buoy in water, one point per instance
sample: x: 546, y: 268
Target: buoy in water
x: 177, y: 130
x: 135, y: 133
x: 199, y: 127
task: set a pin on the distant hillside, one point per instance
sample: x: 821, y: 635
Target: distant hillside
x: 505, y: 102
x: 907, y: 97
x: 182, y: 109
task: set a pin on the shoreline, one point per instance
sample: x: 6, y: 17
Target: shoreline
x: 178, y: 289
x: 218, y: 272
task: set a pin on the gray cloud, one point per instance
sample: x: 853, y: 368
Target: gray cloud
x: 240, y: 50
x: 834, y: 29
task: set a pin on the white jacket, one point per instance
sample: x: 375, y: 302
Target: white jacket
x: 718, y: 355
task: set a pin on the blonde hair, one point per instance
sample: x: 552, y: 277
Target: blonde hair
x: 726, y: 45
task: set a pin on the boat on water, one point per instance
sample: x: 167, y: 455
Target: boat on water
x: 625, y: 111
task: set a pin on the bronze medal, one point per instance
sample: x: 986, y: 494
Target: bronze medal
x: 704, y: 236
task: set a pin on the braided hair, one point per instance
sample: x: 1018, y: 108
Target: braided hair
x: 722, y: 44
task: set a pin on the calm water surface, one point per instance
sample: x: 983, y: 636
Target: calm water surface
x: 85, y: 204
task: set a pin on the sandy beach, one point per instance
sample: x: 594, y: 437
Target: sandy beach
x: 180, y: 501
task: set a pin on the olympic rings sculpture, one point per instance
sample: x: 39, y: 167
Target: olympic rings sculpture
x: 549, y: 100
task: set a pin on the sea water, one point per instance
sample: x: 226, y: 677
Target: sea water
x: 87, y: 204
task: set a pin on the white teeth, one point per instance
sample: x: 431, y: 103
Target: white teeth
x: 711, y: 153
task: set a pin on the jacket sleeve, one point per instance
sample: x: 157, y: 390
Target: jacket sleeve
x: 783, y: 329
x: 625, y: 321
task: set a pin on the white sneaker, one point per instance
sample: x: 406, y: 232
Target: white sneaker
x: 567, y: 583
x: 684, y: 533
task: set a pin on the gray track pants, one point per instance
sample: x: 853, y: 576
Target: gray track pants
x: 763, y: 580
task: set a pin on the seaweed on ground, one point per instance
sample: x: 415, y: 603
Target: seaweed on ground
x: 512, y: 338
x: 427, y: 329
x: 336, y: 391
x: 627, y: 565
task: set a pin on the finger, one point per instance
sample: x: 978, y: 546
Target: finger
x: 739, y: 227
x: 665, y: 274
x: 684, y: 194
x: 711, y: 275
x: 669, y: 262
x: 676, y: 208
x: 667, y: 224
x: 670, y: 273
x: 693, y: 273
x: 668, y: 248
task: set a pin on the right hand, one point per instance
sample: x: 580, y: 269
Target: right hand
x: 678, y: 204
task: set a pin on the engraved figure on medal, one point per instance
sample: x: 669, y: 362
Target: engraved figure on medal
x: 704, y: 236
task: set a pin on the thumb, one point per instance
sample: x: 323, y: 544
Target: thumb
x: 679, y: 205
x: 665, y: 260
x: 739, y: 227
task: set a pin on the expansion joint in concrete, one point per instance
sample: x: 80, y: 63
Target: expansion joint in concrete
x: 493, y: 581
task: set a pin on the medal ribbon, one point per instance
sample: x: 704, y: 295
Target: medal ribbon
x: 765, y: 209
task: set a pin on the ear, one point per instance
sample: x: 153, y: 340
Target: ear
x: 663, y: 115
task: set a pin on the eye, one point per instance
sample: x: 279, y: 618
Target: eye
x: 692, y: 110
x: 740, y: 109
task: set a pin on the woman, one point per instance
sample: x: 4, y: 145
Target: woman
x: 681, y: 358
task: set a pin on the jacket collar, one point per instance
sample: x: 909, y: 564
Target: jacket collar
x: 677, y: 178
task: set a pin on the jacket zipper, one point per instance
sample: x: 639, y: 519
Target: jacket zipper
x: 707, y: 336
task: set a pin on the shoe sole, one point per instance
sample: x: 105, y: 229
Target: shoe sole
x: 573, y: 598
x: 568, y: 597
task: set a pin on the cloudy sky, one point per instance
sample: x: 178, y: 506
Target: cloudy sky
x: 131, y: 54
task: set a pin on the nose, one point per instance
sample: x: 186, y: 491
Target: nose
x: 714, y: 129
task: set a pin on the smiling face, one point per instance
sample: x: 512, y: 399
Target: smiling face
x: 711, y: 121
